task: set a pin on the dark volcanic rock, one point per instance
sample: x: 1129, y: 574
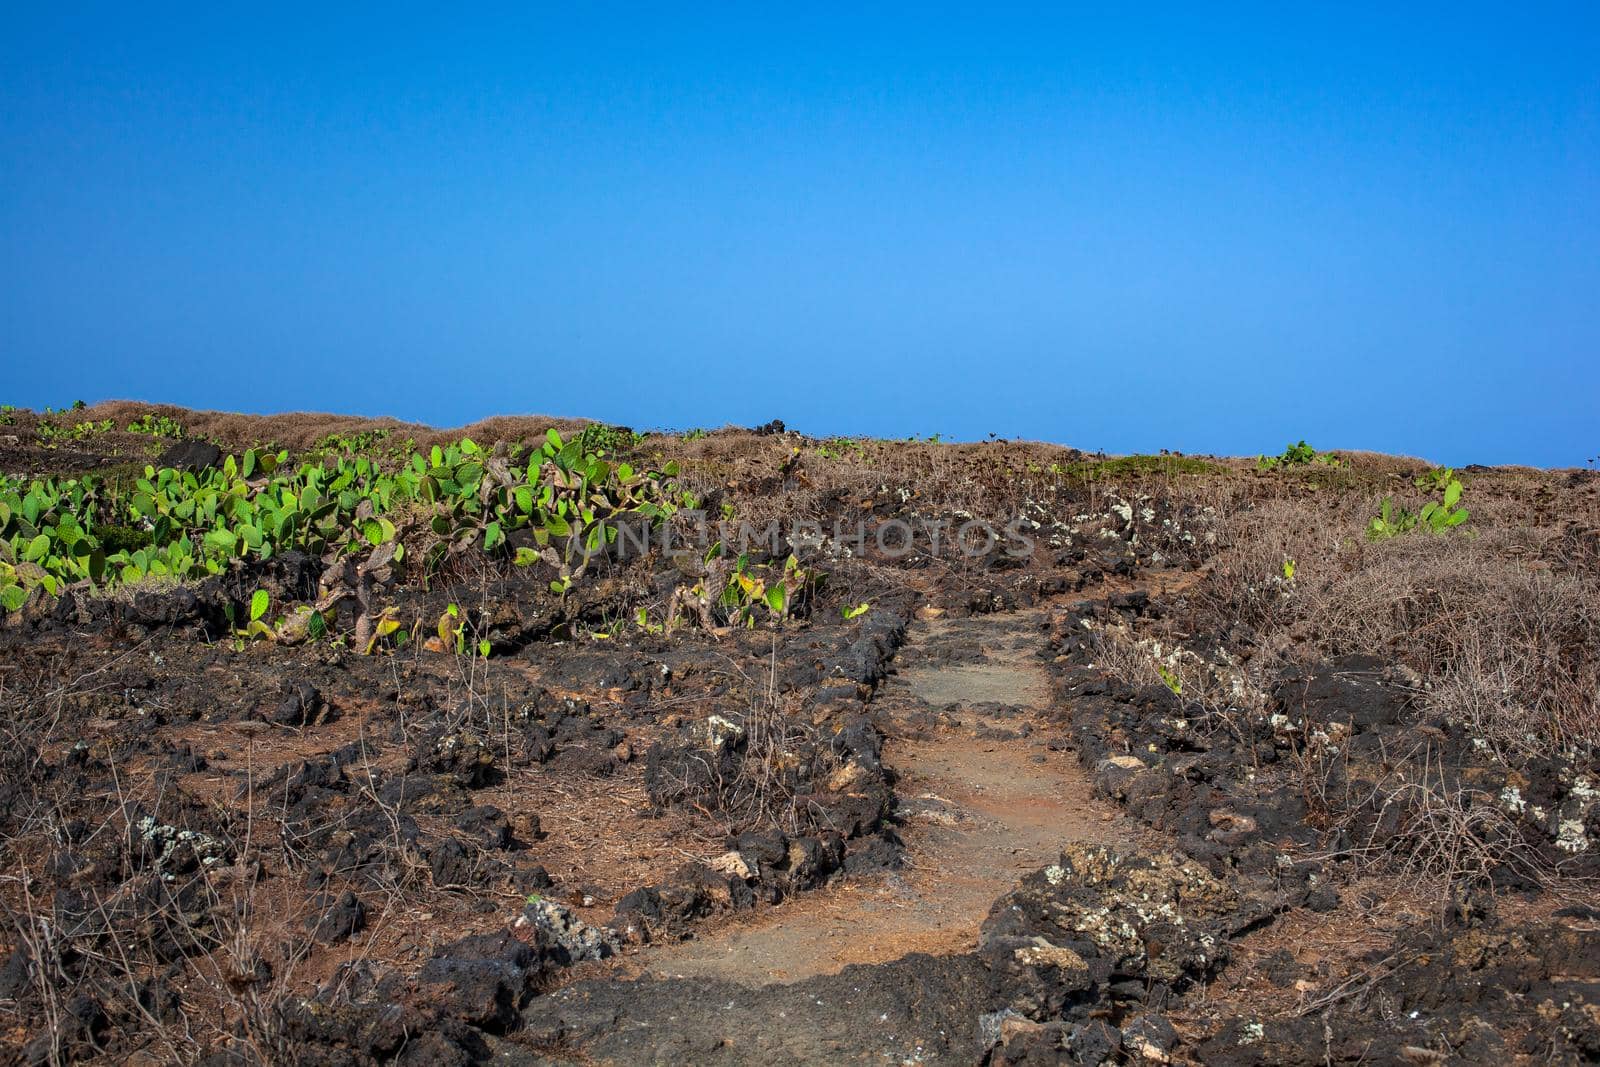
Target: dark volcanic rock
x: 461, y: 755
x: 191, y: 456
x: 480, y: 980
x: 920, y: 1009
x: 1081, y: 928
x: 489, y: 826
x: 336, y: 918
x: 451, y: 864
x: 1351, y: 690
x: 300, y: 706
x: 170, y: 607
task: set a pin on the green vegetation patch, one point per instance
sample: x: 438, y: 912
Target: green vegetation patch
x: 1299, y: 454
x: 603, y: 440
x: 56, y: 533
x: 153, y: 425
x: 1436, y: 516
x: 52, y: 432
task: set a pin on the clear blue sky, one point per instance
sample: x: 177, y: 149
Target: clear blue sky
x: 1178, y: 228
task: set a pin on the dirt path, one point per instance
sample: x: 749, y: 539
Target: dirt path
x: 984, y: 798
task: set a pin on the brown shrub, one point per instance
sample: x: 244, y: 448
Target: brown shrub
x: 1510, y: 645
x: 301, y: 430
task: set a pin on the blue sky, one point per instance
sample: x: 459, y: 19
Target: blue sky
x: 1174, y: 228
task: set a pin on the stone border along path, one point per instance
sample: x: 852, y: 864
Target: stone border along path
x: 984, y: 798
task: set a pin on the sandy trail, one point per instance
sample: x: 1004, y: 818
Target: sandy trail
x: 983, y: 799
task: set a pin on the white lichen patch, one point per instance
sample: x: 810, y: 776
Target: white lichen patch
x: 1571, y: 838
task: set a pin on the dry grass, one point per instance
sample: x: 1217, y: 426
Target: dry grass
x: 1511, y: 651
x: 1509, y: 642
x: 778, y: 760
x: 1417, y: 820
x: 1501, y: 621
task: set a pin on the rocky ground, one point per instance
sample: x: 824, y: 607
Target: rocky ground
x: 1145, y: 794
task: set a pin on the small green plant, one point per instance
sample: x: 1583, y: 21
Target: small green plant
x: 1443, y: 514
x: 855, y: 612
x: 12, y: 594
x: 1437, y: 516
x: 1299, y: 454
x: 1173, y: 682
x: 256, y: 627
x: 8, y: 414
x: 1391, y: 521
x: 1288, y: 569
x: 451, y: 634
x: 695, y: 434
x: 318, y: 625
x: 452, y: 630
x: 839, y: 447
x: 1436, y: 479
x: 350, y: 444
x: 776, y: 589
x: 384, y: 626
x: 153, y: 425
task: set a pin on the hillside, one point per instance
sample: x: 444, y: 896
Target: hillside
x: 348, y: 741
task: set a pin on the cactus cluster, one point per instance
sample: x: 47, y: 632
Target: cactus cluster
x: 89, y: 532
